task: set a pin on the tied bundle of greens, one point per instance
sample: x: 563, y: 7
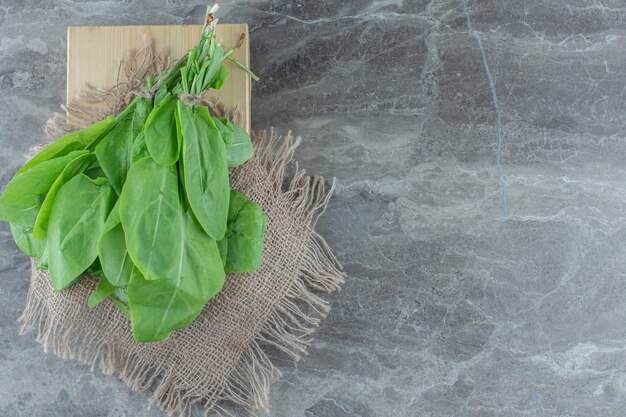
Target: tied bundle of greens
x: 143, y: 201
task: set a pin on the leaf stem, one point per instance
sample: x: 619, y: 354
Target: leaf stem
x: 243, y: 67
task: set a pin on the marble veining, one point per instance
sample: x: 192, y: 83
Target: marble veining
x: 480, y: 152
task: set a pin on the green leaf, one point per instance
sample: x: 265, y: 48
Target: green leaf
x: 114, y: 258
x: 177, y: 90
x: 26, y: 241
x: 139, y: 149
x: 159, y: 307
x: 160, y: 94
x: 240, y: 150
x: 120, y: 299
x: 95, y: 269
x: 152, y: 216
x: 214, y: 67
x: 114, y: 153
x: 184, y: 74
x: 222, y: 245
x: 197, y: 76
x: 94, y: 172
x: 160, y: 132
x: 22, y: 198
x: 77, y: 219
x: 221, y: 77
x: 205, y: 169
x: 42, y: 262
x: 75, y: 167
x: 72, y: 142
x: 192, y: 57
x: 102, y: 291
x: 246, y: 231
x: 226, y: 129
x: 143, y: 107
x: 181, y: 168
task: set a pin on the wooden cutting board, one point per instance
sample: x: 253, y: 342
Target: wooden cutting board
x: 93, y: 54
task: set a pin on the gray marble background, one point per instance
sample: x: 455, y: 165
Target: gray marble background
x: 479, y: 148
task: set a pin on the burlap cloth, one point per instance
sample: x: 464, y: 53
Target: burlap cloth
x: 220, y: 357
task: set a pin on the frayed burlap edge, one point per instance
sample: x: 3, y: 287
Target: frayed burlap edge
x: 289, y: 325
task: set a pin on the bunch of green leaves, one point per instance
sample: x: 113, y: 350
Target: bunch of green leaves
x: 143, y: 201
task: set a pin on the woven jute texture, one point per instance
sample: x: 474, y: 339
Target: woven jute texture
x: 222, y: 356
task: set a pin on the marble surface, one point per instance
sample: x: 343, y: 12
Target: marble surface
x: 480, y: 151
